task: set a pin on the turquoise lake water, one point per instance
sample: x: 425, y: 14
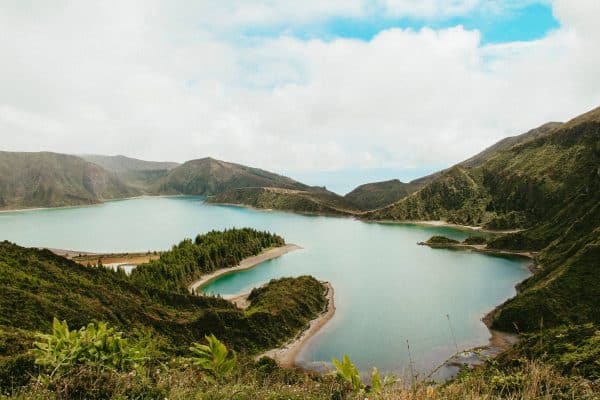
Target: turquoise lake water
x: 388, y: 290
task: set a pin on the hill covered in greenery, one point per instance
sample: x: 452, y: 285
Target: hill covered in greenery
x: 38, y: 285
x: 52, y: 180
x: 549, y: 187
x: 380, y: 194
x: 377, y: 195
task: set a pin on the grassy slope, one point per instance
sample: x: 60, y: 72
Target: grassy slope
x: 377, y: 195
x: 314, y: 200
x: 549, y: 185
x: 52, y: 180
x: 380, y: 194
x: 37, y: 285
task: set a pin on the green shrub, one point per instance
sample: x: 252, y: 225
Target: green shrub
x: 214, y: 357
x: 16, y: 362
x: 347, y: 372
x: 475, y: 240
x: 97, y: 347
x: 441, y: 240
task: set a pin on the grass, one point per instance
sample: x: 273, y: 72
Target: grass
x: 252, y: 380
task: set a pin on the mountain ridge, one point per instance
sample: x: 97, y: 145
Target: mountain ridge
x: 47, y: 179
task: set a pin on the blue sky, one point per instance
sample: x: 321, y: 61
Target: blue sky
x: 516, y: 23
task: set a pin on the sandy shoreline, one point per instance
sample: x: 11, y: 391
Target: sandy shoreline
x: 246, y: 263
x: 286, y: 355
x: 481, y: 248
x: 339, y: 214
x: 440, y: 223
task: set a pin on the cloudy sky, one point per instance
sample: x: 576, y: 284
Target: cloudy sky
x: 334, y: 92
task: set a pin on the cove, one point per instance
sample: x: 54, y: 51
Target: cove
x: 388, y: 290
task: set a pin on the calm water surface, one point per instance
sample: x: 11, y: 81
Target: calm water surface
x: 388, y: 290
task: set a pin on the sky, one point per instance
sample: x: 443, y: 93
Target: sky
x: 334, y: 93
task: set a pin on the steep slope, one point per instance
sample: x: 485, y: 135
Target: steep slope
x: 549, y: 185
x: 51, y: 180
x: 515, y: 188
x: 313, y: 200
x: 139, y: 173
x: 207, y: 176
x: 456, y: 196
x: 509, y: 142
x: 380, y: 194
x: 37, y: 285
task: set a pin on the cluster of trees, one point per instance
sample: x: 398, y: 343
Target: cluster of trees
x: 188, y: 260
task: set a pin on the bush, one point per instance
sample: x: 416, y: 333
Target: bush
x: 16, y: 363
x: 96, y: 347
x: 475, y: 240
x: 214, y: 357
x: 441, y: 240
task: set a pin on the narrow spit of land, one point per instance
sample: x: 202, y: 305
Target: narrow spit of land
x: 480, y: 248
x: 246, y: 263
x: 286, y: 355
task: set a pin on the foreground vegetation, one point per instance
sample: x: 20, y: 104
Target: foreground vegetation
x: 97, y: 362
x: 37, y: 286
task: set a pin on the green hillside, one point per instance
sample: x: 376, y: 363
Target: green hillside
x: 314, y: 200
x: 138, y: 173
x: 38, y: 285
x: 376, y: 195
x: 53, y: 180
x: 380, y: 194
x: 550, y: 187
x: 509, y: 142
x: 515, y: 188
x: 207, y: 176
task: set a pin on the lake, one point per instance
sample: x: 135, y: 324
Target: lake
x: 389, y: 292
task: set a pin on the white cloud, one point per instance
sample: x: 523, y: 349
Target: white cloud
x: 158, y: 81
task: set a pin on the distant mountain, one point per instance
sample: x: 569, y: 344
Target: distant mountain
x: 312, y: 200
x: 380, y: 194
x: 139, y: 173
x: 207, y: 176
x: 121, y: 164
x: 52, y: 180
